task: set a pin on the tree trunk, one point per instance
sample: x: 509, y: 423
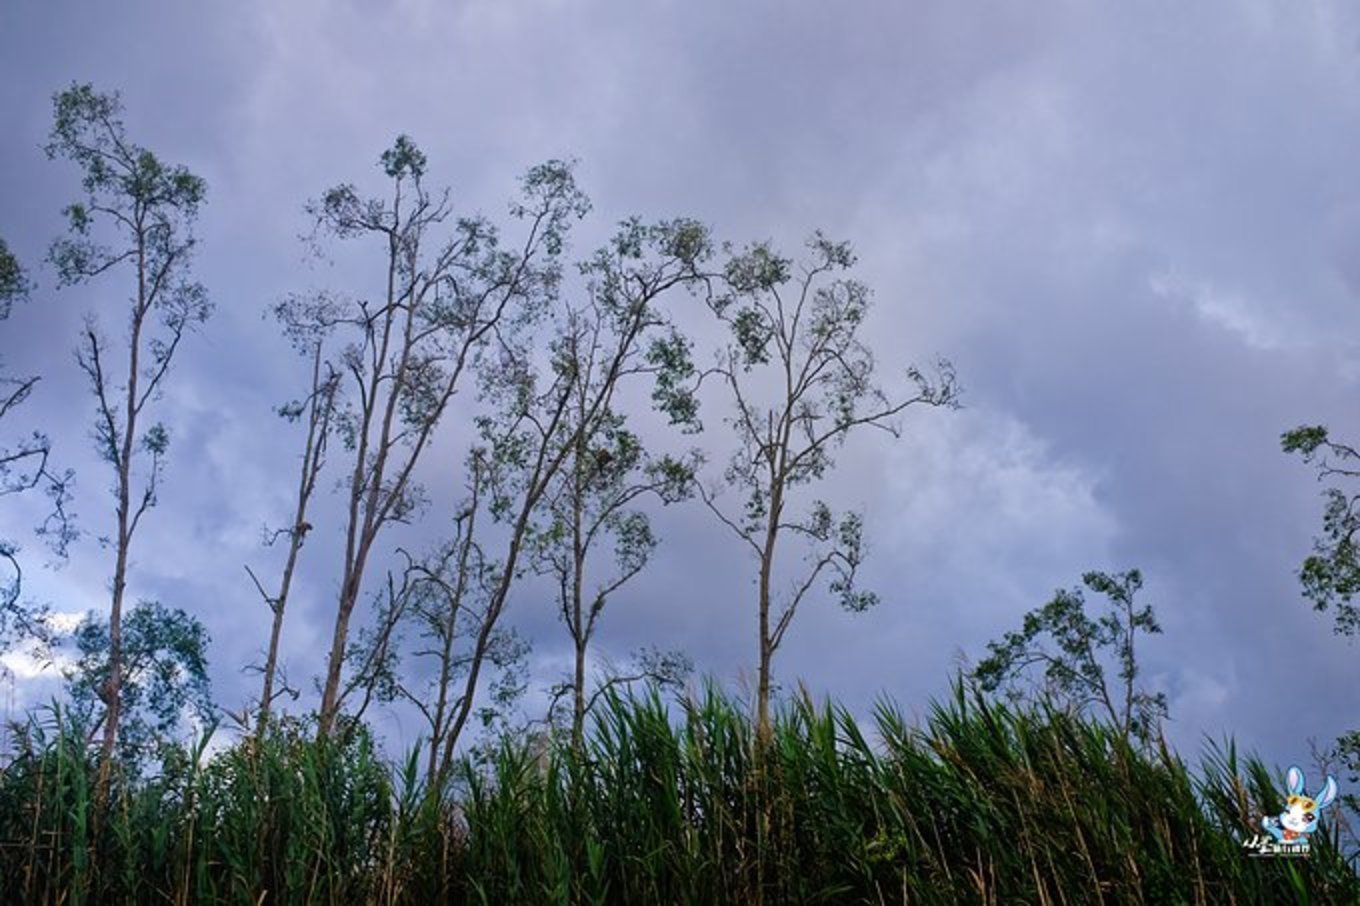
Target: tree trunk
x: 763, y: 731
x: 580, y: 630
x: 330, y: 696
x: 276, y: 628
x: 578, y: 713
x: 433, y: 769
x: 112, y: 692
x: 113, y: 684
x: 318, y: 423
x: 767, y: 641
x: 378, y: 500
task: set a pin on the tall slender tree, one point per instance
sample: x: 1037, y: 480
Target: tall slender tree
x: 447, y: 288
x: 607, y: 472
x: 137, y: 216
x: 801, y: 381
x: 542, y: 418
x: 318, y: 408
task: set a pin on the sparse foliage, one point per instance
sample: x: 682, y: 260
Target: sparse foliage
x: 650, y: 667
x: 448, y: 288
x: 137, y: 213
x: 600, y: 346
x: 1331, y: 574
x: 802, y: 381
x: 537, y: 418
x: 445, y: 603
x: 1069, y: 650
x: 26, y: 466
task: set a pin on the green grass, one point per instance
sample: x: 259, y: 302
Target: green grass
x: 982, y: 804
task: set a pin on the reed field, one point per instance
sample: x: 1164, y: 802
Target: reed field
x: 982, y: 803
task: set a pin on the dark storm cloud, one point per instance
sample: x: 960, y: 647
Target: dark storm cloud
x: 1133, y: 229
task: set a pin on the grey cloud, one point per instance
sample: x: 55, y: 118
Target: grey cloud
x: 1133, y: 229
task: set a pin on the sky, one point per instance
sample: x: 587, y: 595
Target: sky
x: 1133, y: 229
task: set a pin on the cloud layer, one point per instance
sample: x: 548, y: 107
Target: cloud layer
x: 1133, y: 229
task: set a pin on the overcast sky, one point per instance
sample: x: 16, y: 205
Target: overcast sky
x: 1132, y: 227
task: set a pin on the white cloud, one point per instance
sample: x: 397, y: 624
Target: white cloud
x: 980, y: 485
x: 26, y: 664
x: 1222, y: 308
x: 65, y: 621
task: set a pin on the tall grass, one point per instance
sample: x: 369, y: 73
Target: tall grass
x: 981, y: 804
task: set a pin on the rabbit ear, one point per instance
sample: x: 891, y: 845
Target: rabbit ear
x: 1327, y: 795
x: 1295, y: 778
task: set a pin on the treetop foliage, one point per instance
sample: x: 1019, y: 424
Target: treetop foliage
x: 124, y: 183
x: 1330, y: 575
x: 165, y: 653
x: 1069, y: 648
x: 14, y: 283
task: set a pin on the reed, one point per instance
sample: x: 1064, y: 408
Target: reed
x: 980, y: 803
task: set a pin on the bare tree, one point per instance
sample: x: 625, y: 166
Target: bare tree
x: 655, y: 666
x: 441, y: 302
x: 451, y: 590
x: 802, y: 381
x: 319, y: 408
x: 27, y: 466
x: 147, y: 209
